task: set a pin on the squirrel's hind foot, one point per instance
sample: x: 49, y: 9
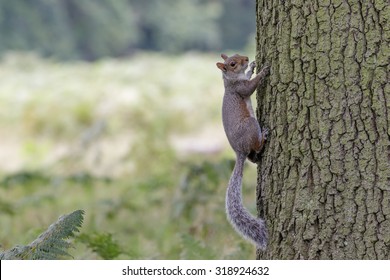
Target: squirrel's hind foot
x: 254, y: 156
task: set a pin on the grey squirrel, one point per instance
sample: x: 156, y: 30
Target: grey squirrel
x: 246, y: 138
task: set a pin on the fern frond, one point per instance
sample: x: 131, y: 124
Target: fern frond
x: 52, y: 243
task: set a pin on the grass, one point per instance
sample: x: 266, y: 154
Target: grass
x: 137, y: 143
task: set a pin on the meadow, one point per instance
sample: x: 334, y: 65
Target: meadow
x: 136, y: 142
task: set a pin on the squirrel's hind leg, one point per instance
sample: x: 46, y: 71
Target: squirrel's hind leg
x: 254, y: 155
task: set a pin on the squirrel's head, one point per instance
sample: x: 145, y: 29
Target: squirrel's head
x: 233, y: 66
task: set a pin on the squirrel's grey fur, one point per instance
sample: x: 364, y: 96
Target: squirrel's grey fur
x: 246, y: 138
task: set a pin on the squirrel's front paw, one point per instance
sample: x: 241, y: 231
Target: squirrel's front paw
x: 266, y: 69
x: 252, y: 65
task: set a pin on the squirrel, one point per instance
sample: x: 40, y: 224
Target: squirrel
x: 245, y: 137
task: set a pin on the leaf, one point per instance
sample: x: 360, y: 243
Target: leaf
x: 52, y: 243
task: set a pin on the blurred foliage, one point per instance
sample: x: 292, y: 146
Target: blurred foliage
x: 198, y: 184
x: 101, y: 243
x: 193, y: 249
x: 67, y: 29
x: 144, y: 198
x: 71, y: 29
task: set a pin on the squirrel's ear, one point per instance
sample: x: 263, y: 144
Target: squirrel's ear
x: 221, y: 66
x: 224, y: 56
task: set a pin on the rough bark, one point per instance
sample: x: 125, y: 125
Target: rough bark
x: 324, y: 178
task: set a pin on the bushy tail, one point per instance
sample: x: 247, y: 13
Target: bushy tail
x: 249, y: 227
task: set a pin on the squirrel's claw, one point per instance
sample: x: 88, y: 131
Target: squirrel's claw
x: 265, y: 133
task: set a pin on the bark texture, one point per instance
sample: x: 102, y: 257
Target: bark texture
x: 324, y: 178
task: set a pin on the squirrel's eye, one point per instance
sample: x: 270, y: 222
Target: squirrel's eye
x: 232, y: 64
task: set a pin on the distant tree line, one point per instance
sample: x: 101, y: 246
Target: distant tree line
x: 73, y: 29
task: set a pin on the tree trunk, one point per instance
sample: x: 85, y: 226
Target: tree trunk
x: 324, y: 178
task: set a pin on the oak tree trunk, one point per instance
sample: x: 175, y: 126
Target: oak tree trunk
x: 324, y: 177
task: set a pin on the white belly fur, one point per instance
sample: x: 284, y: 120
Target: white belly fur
x: 248, y: 103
